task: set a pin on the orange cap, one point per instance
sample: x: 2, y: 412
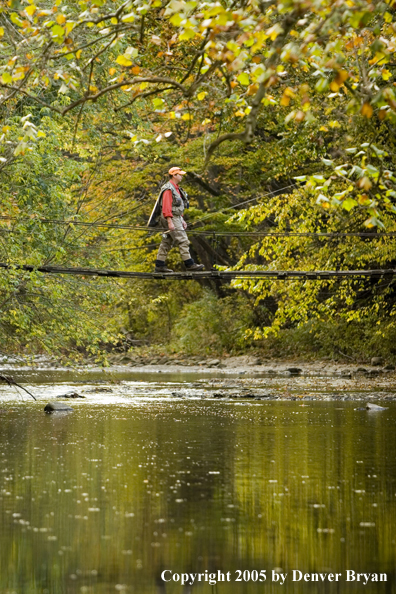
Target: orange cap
x: 176, y: 170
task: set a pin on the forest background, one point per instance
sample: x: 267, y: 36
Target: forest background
x: 283, y: 115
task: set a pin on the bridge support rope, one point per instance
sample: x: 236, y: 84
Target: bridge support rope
x: 207, y: 274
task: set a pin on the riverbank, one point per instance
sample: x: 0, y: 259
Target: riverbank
x: 244, y: 378
x: 244, y: 364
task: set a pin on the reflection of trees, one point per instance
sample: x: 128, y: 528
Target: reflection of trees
x: 142, y: 465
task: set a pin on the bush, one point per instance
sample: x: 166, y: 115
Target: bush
x: 211, y: 324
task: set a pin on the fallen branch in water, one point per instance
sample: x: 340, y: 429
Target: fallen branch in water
x: 11, y: 382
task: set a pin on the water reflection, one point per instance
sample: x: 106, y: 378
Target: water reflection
x: 107, y: 498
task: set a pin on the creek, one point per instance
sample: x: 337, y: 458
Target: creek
x: 152, y: 473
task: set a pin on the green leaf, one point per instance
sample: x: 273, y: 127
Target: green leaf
x: 243, y: 78
x: 175, y: 20
x: 373, y: 171
x: 57, y: 31
x: 6, y: 78
x: 349, y: 203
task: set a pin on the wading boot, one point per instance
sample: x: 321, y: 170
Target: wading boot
x: 163, y: 269
x: 160, y: 266
x: 195, y: 267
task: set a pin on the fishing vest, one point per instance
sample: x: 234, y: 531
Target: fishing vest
x: 179, y: 201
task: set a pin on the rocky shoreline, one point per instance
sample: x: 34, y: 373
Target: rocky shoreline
x: 240, y: 378
x: 243, y: 364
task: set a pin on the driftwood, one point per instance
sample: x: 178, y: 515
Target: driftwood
x: 11, y: 382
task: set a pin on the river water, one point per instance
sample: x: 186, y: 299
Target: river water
x: 148, y: 476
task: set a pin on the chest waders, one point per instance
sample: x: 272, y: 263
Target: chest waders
x: 178, y: 237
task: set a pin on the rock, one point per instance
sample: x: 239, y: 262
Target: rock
x: 57, y: 407
x: 389, y: 368
x: 213, y: 363
x: 96, y: 390
x: 77, y: 395
x: 375, y: 407
x: 376, y: 361
x: 257, y: 361
x: 126, y: 359
x: 361, y: 370
x: 294, y: 370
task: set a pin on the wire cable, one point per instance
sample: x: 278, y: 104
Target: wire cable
x: 207, y: 233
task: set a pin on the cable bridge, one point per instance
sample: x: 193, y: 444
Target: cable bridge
x: 226, y: 275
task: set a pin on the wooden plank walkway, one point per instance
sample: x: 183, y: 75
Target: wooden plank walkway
x: 207, y: 274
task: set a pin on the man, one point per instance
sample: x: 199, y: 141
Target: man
x: 173, y: 200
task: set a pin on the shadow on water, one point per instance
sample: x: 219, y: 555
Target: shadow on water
x: 109, y: 497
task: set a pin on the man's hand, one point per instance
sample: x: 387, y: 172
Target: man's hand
x: 171, y: 226
x: 184, y: 224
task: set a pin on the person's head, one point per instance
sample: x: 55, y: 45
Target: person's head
x: 176, y: 174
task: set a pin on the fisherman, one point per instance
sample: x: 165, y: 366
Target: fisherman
x: 173, y: 200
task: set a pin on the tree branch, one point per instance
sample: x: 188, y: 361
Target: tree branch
x: 142, y: 96
x: 248, y: 134
x: 133, y: 81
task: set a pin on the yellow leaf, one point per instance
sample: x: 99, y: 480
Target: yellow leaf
x: 334, y: 87
x: 112, y: 71
x: 274, y: 31
x: 367, y: 110
x: 60, y: 19
x: 386, y: 74
x: 240, y: 114
x: 1, y: 31
x: 135, y: 70
x: 128, y: 18
x: 78, y: 54
x: 186, y: 116
x: 363, y: 199
x: 41, y: 134
x: 30, y: 9
x: 143, y: 86
x: 364, y: 183
x: 341, y: 77
x: 289, y: 92
x: 285, y: 100
x: 123, y: 61
x: 6, y: 78
x: 323, y: 129
x: 175, y: 20
x: 187, y: 34
x: 202, y: 95
x: 243, y: 78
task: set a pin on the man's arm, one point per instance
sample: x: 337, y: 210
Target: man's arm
x: 167, y: 208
